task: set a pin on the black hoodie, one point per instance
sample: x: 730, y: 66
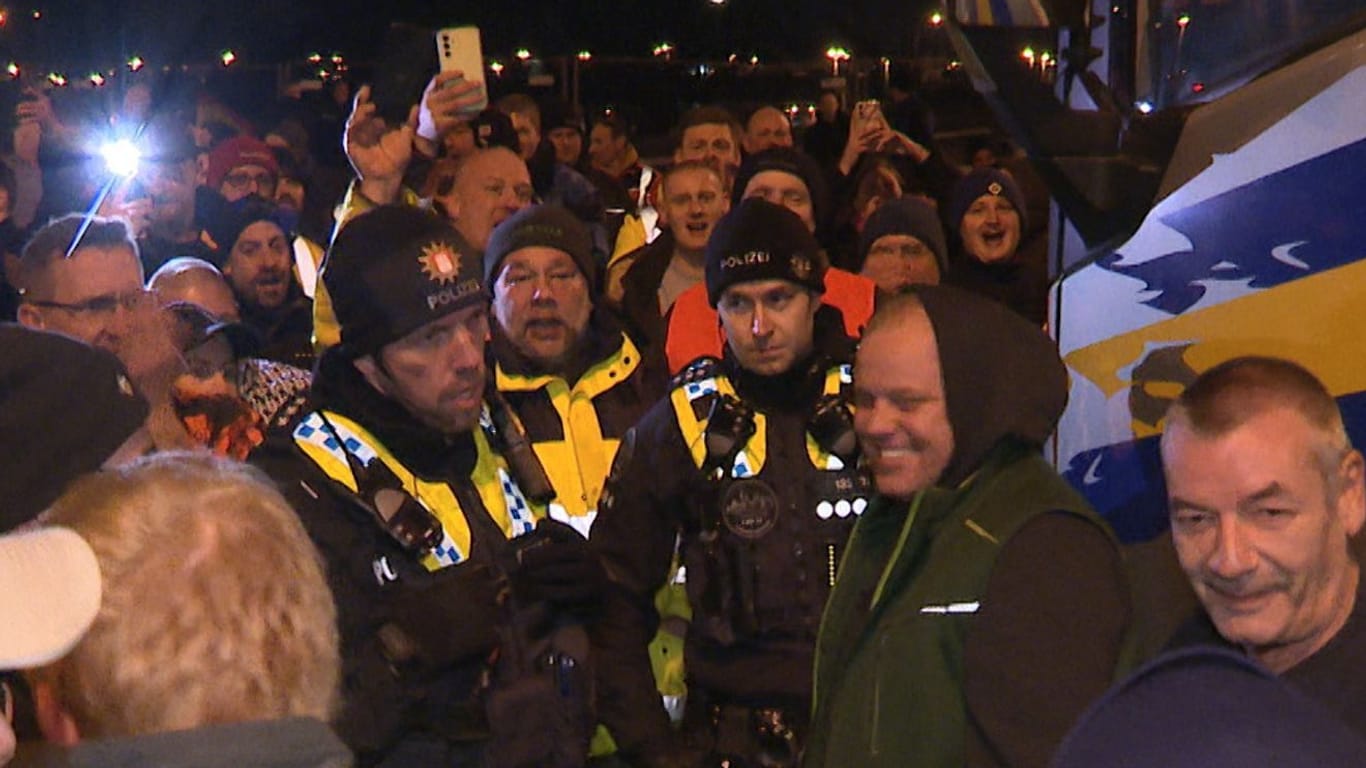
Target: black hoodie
x: 1003, y: 378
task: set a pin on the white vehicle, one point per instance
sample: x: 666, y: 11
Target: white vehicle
x: 1208, y: 170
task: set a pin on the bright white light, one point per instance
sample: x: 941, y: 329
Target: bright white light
x: 121, y: 157
x: 1145, y: 107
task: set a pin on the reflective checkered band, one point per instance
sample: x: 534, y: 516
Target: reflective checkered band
x: 314, y: 430
x: 741, y: 467
x: 447, y: 553
x: 519, y: 511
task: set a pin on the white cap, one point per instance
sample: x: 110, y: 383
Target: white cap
x: 49, y: 595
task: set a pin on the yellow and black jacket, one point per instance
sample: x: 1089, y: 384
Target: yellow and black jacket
x: 576, y: 427
x: 442, y: 602
x: 761, y: 534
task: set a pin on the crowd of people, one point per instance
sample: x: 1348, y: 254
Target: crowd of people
x: 507, y: 446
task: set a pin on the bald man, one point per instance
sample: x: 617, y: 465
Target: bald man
x: 195, y: 281
x: 766, y: 128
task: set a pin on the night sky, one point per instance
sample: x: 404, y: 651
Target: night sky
x: 80, y: 35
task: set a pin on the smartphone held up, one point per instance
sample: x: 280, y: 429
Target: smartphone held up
x: 408, y: 60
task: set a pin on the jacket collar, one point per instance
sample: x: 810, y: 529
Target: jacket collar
x: 338, y: 386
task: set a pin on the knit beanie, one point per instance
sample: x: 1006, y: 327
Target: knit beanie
x: 550, y: 226
x: 786, y: 160
x: 984, y: 181
x: 394, y: 269
x: 758, y: 240
x: 905, y: 216
x: 236, y: 152
x: 225, y: 221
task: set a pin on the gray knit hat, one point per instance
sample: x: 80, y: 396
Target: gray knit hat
x: 550, y: 226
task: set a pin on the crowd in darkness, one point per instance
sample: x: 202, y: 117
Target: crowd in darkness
x: 473, y: 436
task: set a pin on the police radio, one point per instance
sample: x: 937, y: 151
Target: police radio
x: 729, y: 424
x: 380, y: 492
x: 510, y: 436
x: 832, y: 427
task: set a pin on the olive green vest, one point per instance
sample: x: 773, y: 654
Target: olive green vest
x: 889, y: 660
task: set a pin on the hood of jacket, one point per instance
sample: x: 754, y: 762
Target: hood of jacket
x: 1003, y: 378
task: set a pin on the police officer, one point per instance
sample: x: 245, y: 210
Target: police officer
x: 750, y: 461
x: 426, y: 512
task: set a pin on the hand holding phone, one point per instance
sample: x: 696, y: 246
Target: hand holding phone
x: 457, y: 92
x: 458, y: 49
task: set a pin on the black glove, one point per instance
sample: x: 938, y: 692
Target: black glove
x: 555, y: 564
x: 443, y: 617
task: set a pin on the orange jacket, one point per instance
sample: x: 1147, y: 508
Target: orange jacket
x: 695, y: 329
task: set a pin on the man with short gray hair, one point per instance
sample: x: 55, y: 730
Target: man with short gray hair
x: 1265, y: 493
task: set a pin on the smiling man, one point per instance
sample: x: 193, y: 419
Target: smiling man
x: 1265, y: 491
x: 986, y: 218
x: 982, y: 604
x: 752, y: 461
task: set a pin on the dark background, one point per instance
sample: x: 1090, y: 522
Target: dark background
x: 84, y: 35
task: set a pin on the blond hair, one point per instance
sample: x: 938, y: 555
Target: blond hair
x: 215, y: 605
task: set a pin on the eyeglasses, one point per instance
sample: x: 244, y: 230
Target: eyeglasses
x: 99, y: 306
x: 240, y: 180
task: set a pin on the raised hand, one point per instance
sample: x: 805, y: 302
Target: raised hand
x: 378, y: 154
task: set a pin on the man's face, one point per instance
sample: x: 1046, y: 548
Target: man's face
x: 528, y: 135
x: 1262, y: 533
x: 247, y: 180
x: 436, y: 372
x: 767, y: 128
x: 541, y: 303
x: 171, y: 185
x: 604, y: 149
x: 568, y: 143
x: 897, y: 261
x: 900, y: 413
x: 782, y: 188
x: 492, y: 186
x: 95, y: 296
x: 693, y: 201
x: 258, y: 267
x: 289, y: 193
x: 990, y: 229
x: 713, y: 144
x: 769, y: 324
